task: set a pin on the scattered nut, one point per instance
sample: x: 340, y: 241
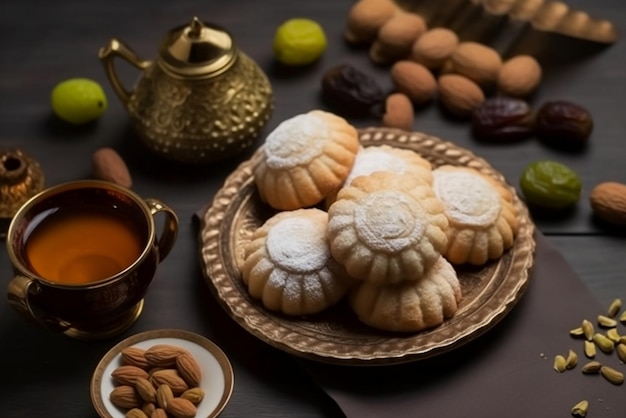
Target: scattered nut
x: 603, y: 343
x: 571, y: 360
x: 560, y: 364
x: 608, y: 202
x: 396, y: 37
x: 459, y: 95
x: 108, y: 165
x: 613, y: 335
x: 590, y: 349
x: 615, y: 307
x: 577, y: 332
x: 580, y: 409
x: 365, y: 19
x: 612, y: 375
x: 414, y: 80
x: 399, y: 112
x: 592, y: 367
x: 477, y: 62
x: 519, y: 76
x: 621, y: 352
x: 434, y: 47
x: 588, y: 330
x: 606, y: 322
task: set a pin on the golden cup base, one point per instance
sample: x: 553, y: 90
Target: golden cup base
x: 108, y: 330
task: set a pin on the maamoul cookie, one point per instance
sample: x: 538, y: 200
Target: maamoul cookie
x: 480, y: 211
x: 304, y: 159
x: 386, y: 158
x: 409, y: 306
x: 287, y: 264
x: 386, y: 228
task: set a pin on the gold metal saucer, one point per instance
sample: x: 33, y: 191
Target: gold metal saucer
x: 336, y: 336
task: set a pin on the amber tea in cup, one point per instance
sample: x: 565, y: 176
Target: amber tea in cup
x: 84, y: 254
x: 72, y: 246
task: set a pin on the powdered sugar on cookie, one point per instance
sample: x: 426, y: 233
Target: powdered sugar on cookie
x: 296, y: 141
x: 468, y: 198
x: 298, y: 245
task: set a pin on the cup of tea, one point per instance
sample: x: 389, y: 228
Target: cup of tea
x: 84, y: 254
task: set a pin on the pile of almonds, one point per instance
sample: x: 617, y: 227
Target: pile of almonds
x: 429, y: 63
x: 158, y: 382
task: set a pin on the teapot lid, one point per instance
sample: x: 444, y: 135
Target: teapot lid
x: 197, y: 50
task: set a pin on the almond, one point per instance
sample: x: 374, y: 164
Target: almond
x: 127, y: 374
x: 608, y: 202
x: 434, y: 47
x: 163, y: 355
x: 396, y: 38
x: 195, y: 395
x: 414, y: 80
x: 159, y: 413
x: 126, y: 397
x: 171, y: 378
x: 477, y: 62
x: 366, y: 17
x: 145, y: 389
x: 399, y: 112
x: 189, y: 369
x: 181, y: 408
x: 108, y: 165
x: 134, y: 356
x: 163, y: 396
x: 519, y: 76
x: 136, y: 413
x: 459, y: 95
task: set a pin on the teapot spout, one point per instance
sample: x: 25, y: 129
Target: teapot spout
x: 107, y: 55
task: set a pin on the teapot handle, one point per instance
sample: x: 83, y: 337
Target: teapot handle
x: 107, y: 54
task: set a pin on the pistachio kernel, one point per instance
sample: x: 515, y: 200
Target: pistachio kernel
x: 613, y: 335
x: 588, y: 329
x: 576, y: 332
x: 621, y: 352
x: 590, y: 349
x: 603, y: 343
x: 614, y: 307
x: 591, y: 367
x: 612, y: 375
x: 606, y: 322
x: 560, y: 364
x: 580, y: 409
x: 572, y: 360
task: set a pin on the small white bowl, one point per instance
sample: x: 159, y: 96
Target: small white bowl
x: 217, y: 372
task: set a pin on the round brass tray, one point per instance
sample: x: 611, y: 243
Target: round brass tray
x: 337, y: 336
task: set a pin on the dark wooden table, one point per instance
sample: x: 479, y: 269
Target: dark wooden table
x: 44, y: 42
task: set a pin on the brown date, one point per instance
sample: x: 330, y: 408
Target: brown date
x: 563, y: 124
x: 351, y: 92
x: 502, y: 119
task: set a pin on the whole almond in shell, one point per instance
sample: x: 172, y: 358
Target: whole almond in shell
x: 171, y: 378
x: 127, y: 374
x: 189, y: 369
x: 396, y: 37
x: 608, y: 202
x: 126, y: 397
x: 181, y: 408
x: 459, y: 95
x: 434, y: 47
x: 163, y: 355
x: 414, y: 80
x: 134, y: 356
x: 366, y: 17
x: 480, y: 63
x: 399, y: 112
x: 108, y: 165
x: 519, y: 76
x: 146, y: 390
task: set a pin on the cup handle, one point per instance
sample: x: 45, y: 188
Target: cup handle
x: 18, y: 292
x: 167, y: 237
x: 114, y: 49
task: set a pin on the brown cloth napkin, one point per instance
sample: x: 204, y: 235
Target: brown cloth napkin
x: 507, y: 372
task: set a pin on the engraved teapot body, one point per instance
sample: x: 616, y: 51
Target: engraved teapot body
x: 200, y: 100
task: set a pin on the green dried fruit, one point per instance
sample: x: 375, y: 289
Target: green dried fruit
x: 299, y: 41
x: 550, y: 185
x: 78, y: 100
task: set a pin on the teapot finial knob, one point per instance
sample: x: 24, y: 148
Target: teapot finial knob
x: 195, y: 29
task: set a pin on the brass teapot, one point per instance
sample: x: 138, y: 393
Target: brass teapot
x: 201, y: 100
